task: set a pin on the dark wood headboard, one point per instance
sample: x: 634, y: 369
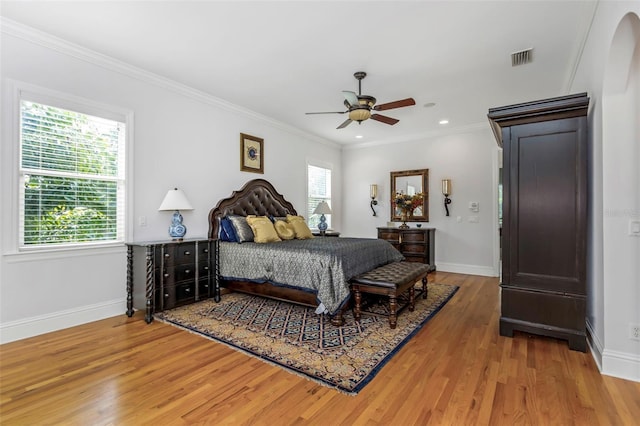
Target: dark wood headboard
x: 256, y: 197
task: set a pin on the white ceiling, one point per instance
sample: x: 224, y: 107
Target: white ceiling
x: 284, y: 58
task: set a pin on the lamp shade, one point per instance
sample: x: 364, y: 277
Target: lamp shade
x: 322, y: 208
x: 175, y: 200
x: 446, y: 186
x: 374, y: 191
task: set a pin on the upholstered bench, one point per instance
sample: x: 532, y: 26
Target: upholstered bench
x: 390, y: 280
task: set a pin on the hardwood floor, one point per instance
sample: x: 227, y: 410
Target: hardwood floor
x: 456, y: 371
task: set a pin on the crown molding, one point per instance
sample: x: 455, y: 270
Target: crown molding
x: 65, y: 47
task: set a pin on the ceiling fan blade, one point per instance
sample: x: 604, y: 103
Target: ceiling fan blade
x: 395, y: 104
x: 384, y: 119
x: 351, y: 97
x: 328, y: 112
x: 345, y: 124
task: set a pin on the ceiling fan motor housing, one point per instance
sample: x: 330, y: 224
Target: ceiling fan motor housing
x: 362, y: 111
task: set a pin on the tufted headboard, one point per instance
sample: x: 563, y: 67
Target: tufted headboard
x: 256, y: 197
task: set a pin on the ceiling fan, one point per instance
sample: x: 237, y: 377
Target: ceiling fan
x: 359, y: 106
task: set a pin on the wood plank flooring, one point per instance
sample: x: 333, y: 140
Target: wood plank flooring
x: 456, y: 371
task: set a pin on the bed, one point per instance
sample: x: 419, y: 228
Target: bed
x: 313, y: 272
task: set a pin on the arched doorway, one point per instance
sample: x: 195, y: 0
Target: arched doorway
x: 621, y: 188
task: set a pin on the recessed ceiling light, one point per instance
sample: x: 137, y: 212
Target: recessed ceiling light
x: 429, y: 105
x: 358, y: 136
x: 444, y: 121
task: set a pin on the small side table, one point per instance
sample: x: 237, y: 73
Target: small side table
x: 326, y: 234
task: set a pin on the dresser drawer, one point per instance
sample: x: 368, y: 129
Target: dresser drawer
x: 410, y: 237
x: 176, y: 254
x: 389, y: 235
x: 204, y: 289
x: 180, y: 294
x: 178, y: 273
x: 203, y: 252
x: 414, y: 248
x: 203, y: 269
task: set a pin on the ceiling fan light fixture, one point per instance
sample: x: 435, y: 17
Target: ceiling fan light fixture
x: 360, y: 114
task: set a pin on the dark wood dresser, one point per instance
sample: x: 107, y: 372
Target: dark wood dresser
x: 544, y: 232
x: 415, y: 244
x: 177, y: 273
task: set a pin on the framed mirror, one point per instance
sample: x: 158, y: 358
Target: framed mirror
x: 411, y: 182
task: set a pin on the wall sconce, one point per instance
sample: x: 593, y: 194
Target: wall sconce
x: 374, y: 195
x: 176, y: 200
x: 446, y: 191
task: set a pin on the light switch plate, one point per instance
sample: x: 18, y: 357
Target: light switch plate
x: 474, y: 206
x: 634, y: 228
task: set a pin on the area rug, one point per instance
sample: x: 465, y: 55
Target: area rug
x: 295, y: 338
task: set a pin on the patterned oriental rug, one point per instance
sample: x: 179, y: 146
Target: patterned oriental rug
x: 295, y: 338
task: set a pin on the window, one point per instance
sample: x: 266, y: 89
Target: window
x: 319, y: 189
x: 71, y: 176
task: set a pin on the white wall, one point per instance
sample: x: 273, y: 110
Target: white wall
x: 182, y: 138
x: 468, y: 158
x: 614, y: 278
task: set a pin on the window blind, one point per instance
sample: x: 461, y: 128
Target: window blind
x: 72, y: 176
x: 319, y: 189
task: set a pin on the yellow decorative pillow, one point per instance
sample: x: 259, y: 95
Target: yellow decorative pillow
x: 284, y: 230
x: 301, y: 229
x: 292, y: 219
x: 263, y: 230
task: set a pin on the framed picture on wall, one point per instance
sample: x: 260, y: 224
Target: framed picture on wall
x: 251, y: 154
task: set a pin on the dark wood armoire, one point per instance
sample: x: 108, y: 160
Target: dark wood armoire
x: 544, y: 226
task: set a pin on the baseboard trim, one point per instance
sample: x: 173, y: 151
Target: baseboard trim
x: 623, y: 365
x: 34, y: 326
x: 485, y: 271
x: 595, y: 345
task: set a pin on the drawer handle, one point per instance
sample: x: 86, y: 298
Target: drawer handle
x: 206, y: 268
x: 167, y: 255
x: 206, y: 286
x: 206, y: 250
x: 187, y: 271
x: 187, y: 290
x: 187, y: 253
x: 166, y: 295
x: 166, y: 275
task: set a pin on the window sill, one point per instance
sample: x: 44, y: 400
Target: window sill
x: 28, y: 255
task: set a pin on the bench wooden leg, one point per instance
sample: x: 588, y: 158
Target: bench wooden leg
x: 358, y: 300
x: 412, y: 298
x: 393, y: 311
x: 424, y: 287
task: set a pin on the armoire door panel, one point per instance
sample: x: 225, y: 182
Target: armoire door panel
x: 545, y: 177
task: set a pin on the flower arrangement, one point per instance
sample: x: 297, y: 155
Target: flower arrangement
x: 408, y: 203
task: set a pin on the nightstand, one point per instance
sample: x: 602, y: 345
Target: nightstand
x: 326, y: 234
x: 177, y: 273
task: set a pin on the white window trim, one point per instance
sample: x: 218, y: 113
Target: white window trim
x: 10, y: 157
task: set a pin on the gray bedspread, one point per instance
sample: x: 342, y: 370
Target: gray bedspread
x: 323, y: 266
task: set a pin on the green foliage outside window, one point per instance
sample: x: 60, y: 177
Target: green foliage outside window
x: 70, y: 168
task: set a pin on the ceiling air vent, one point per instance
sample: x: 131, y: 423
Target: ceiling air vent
x: 522, y: 57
